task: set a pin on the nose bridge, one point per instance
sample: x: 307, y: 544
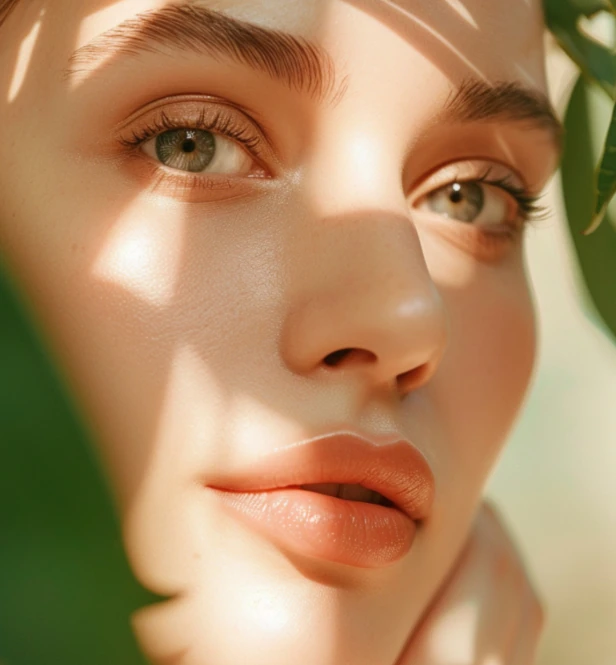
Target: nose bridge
x: 355, y: 164
x: 361, y: 291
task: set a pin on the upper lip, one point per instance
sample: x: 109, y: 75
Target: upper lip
x: 396, y: 470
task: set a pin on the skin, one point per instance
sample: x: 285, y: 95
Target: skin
x: 486, y: 612
x: 193, y: 324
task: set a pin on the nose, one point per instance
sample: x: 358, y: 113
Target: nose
x: 361, y: 300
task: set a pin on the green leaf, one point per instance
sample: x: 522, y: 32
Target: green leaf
x: 606, y: 177
x: 566, y: 12
x: 586, y: 7
x: 595, y: 60
x: 66, y: 590
x: 598, y: 64
x: 596, y: 253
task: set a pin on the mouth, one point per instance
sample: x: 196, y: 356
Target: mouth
x: 350, y: 493
x: 353, y: 532
x: 339, y: 498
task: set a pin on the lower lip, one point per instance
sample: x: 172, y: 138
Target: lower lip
x: 325, y: 527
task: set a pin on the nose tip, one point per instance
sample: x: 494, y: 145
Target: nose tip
x: 401, y: 346
x: 373, y: 311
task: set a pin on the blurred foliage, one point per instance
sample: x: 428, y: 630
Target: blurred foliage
x: 66, y: 590
x: 588, y: 188
x: 597, y: 62
x: 596, y: 253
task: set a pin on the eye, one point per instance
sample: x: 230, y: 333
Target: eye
x: 199, y: 151
x: 482, y: 207
x: 472, y: 202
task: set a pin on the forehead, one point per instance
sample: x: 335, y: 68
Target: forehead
x: 496, y: 40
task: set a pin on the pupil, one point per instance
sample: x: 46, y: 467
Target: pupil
x: 188, y: 145
x: 456, y: 194
x: 463, y: 201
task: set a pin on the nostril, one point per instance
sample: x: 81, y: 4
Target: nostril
x: 346, y: 356
x: 336, y: 357
x: 414, y: 378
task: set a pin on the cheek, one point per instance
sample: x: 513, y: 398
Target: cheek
x: 487, y: 369
x: 125, y: 289
x: 478, y: 390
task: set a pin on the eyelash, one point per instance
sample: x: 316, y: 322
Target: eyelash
x: 224, y: 124
x: 530, y: 209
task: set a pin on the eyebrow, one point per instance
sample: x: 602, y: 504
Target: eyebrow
x: 477, y: 100
x: 298, y: 63
x: 294, y: 61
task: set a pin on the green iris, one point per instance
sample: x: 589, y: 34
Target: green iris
x: 463, y: 201
x: 186, y: 149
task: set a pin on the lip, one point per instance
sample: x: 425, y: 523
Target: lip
x: 267, y: 496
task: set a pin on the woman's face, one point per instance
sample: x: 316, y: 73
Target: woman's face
x: 237, y: 244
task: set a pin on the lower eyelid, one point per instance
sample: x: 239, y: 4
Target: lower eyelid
x: 483, y: 246
x: 187, y: 187
x: 491, y: 248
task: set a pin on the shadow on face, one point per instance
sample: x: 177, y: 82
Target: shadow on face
x: 205, y: 318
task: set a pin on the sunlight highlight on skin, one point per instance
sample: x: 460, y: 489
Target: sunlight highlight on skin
x: 453, y: 639
x: 143, y: 256
x: 493, y: 659
x: 362, y: 153
x: 254, y: 422
x: 189, y: 375
x: 271, y: 617
x: 100, y: 21
x: 366, y: 184
x: 505, y: 146
x: 463, y: 11
x: 527, y: 77
x: 23, y: 59
x: 445, y: 42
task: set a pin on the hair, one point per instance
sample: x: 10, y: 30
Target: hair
x: 6, y: 7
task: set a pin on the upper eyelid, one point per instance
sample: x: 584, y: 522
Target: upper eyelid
x: 178, y: 115
x: 171, y: 100
x: 207, y: 105
x: 157, y: 127
x: 425, y: 183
